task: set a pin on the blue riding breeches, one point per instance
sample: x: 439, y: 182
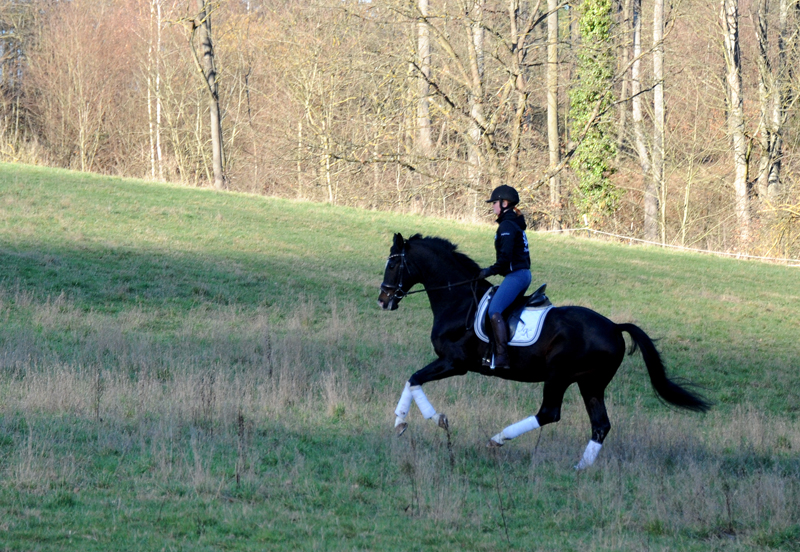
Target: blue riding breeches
x: 514, y: 284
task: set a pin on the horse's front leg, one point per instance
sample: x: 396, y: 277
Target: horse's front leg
x: 416, y: 393
x: 438, y: 369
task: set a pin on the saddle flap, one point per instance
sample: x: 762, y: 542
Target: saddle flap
x: 527, y: 316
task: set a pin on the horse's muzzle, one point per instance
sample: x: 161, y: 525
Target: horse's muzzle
x: 389, y: 298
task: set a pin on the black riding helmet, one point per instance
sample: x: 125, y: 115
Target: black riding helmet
x: 504, y: 192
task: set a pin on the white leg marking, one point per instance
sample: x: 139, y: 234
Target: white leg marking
x: 422, y: 402
x: 404, y: 405
x: 589, y: 455
x: 515, y: 430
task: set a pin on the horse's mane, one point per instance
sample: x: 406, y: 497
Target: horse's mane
x: 445, y: 247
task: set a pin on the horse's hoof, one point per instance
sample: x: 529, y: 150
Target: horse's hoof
x: 400, y: 428
x: 493, y: 444
x: 443, y: 422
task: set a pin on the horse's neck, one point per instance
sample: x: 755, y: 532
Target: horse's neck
x: 445, y: 300
x: 435, y: 274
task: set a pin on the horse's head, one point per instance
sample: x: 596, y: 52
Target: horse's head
x: 397, y: 278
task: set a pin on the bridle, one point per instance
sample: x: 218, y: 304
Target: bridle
x: 397, y: 291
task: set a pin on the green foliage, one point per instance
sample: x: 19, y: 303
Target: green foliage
x: 592, y: 162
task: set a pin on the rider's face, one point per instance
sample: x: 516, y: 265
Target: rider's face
x: 499, y: 205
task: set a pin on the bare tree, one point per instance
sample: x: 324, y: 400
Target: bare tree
x: 655, y: 192
x: 76, y: 87
x: 640, y: 143
x: 624, y: 59
x: 477, y: 96
x: 736, y: 129
x: 347, y: 116
x: 519, y: 36
x: 773, y: 97
x: 477, y: 123
x: 424, y: 140
x: 17, y: 26
x: 201, y: 25
x: 154, y: 90
x: 553, y: 142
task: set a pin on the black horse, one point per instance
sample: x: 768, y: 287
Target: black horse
x: 576, y: 345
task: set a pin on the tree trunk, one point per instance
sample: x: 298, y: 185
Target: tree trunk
x: 636, y: 91
x: 154, y: 91
x: 765, y: 88
x: 650, y: 199
x: 773, y: 98
x: 476, y: 97
x: 733, y: 79
x: 781, y: 100
x: 203, y: 26
x: 518, y: 41
x: 159, y: 153
x: 553, y: 142
x: 574, y: 42
x: 424, y: 140
x: 625, y: 57
x: 150, y: 118
x: 652, y: 205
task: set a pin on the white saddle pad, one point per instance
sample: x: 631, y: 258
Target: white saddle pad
x: 528, y: 329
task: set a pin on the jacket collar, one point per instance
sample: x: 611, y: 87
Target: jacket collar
x: 508, y: 214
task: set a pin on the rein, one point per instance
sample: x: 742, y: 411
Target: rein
x: 448, y: 286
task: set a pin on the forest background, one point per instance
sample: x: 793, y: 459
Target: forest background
x: 675, y: 123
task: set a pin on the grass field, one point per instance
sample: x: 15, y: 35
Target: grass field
x: 188, y: 370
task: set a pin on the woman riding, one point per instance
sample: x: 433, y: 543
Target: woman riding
x: 513, y: 262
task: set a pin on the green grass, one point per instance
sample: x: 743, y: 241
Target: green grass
x: 194, y: 370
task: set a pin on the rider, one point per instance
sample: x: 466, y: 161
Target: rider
x: 513, y: 262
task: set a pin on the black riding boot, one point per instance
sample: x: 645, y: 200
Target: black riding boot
x: 500, y: 341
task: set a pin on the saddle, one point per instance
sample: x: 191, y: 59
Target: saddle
x: 525, y: 317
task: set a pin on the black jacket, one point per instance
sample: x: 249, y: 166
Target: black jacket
x: 510, y: 244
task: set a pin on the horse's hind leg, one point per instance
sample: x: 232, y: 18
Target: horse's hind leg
x: 596, y: 408
x: 550, y: 411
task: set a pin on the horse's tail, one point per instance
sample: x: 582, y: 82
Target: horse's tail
x: 666, y: 388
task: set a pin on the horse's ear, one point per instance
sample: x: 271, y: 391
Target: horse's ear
x: 398, y: 240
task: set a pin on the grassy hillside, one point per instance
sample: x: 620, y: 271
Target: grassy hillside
x: 203, y: 370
